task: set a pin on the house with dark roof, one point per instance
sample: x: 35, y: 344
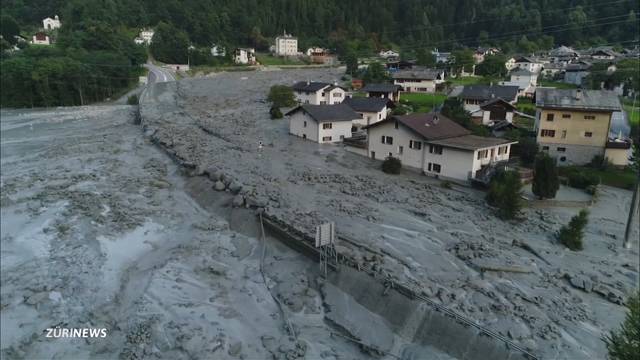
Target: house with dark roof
x: 318, y: 93
x: 436, y: 146
x: 493, y: 111
x: 573, y: 125
x: 473, y: 96
x: 419, y: 79
x: 386, y: 91
x: 371, y: 109
x: 322, y: 123
x: 527, y: 63
x: 575, y: 73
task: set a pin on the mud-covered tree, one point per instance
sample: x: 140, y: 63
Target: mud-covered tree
x: 624, y: 343
x: 571, y: 234
x: 281, y: 96
x: 545, y: 180
x: 505, y: 191
x: 275, y: 113
x: 391, y: 165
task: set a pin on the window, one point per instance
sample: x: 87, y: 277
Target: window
x: 547, y: 133
x: 326, y: 138
x: 415, y: 145
x: 379, y: 116
x: 387, y: 140
x: 561, y: 149
x: 566, y: 116
x: 564, y: 134
x: 482, y: 154
x: 436, y: 168
x: 337, y: 94
x: 549, y: 117
x: 563, y: 158
x: 589, y: 117
x: 435, y: 149
x: 323, y: 103
x: 305, y: 124
x: 502, y: 150
x: 588, y: 134
x: 326, y: 126
x: 545, y: 148
x: 400, y: 150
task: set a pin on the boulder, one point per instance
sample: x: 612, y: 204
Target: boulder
x: 235, y: 348
x: 219, y: 186
x: 235, y: 187
x: 238, y: 201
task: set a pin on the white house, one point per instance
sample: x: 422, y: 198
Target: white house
x: 435, y: 146
x: 318, y: 93
x: 218, y: 50
x: 418, y: 80
x: 322, y: 123
x: 286, y: 45
x: 525, y: 80
x: 371, y: 110
x: 244, y: 56
x: 146, y: 35
x: 493, y: 111
x: 526, y: 63
x: 473, y: 96
x: 51, y: 24
x: 385, y: 91
x: 388, y: 54
x: 41, y: 38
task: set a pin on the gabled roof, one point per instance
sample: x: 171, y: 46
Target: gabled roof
x: 381, y: 88
x: 497, y: 101
x: 488, y: 92
x: 563, y: 51
x: 418, y: 74
x: 577, y: 99
x: 471, y: 142
x: 367, y: 104
x: 431, y: 126
x: 326, y: 113
x: 526, y: 59
x: 309, y: 86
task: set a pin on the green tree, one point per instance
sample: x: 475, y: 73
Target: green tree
x: 492, y: 66
x: 545, y: 181
x: 505, y: 191
x: 351, y: 61
x: 375, y: 73
x: 624, y: 343
x: 425, y: 58
x: 571, y: 235
x: 528, y: 150
x: 169, y: 44
x: 281, y: 96
x: 462, y: 60
x: 391, y: 165
x: 9, y: 28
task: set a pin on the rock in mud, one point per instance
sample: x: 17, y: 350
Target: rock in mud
x: 235, y: 348
x: 235, y: 187
x: 238, y: 201
x: 219, y: 186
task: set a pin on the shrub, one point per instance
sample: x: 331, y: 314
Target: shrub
x: 545, y: 181
x: 623, y: 344
x: 275, y: 113
x: 400, y: 110
x: 528, y: 150
x: 571, y: 235
x: 446, y: 184
x: 582, y: 179
x: 505, y: 191
x: 391, y: 165
x: 281, y: 96
x: 132, y: 100
x: 600, y: 162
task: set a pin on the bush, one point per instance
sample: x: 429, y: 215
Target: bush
x: 582, y: 179
x: 505, y: 191
x: 545, y: 181
x: 281, y: 96
x: 571, y: 235
x: 275, y: 113
x: 132, y: 100
x: 400, y: 110
x: 391, y: 165
x: 446, y: 184
x: 623, y: 344
x: 600, y: 162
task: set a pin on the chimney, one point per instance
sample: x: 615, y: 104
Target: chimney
x: 579, y: 94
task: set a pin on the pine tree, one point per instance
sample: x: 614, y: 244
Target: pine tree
x: 571, y: 235
x: 624, y: 344
x: 545, y: 181
x: 505, y: 191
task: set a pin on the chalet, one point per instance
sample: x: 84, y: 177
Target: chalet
x: 575, y: 73
x: 525, y: 80
x: 481, y: 52
x: 435, y: 146
x: 603, y: 53
x: 473, y: 96
x: 40, y: 38
x: 322, y: 123
x: 563, y: 55
x: 386, y: 91
x: 318, y: 93
x: 388, y: 54
x: 419, y: 80
x: 51, y: 24
x: 573, y: 125
x: 493, y: 111
x: 371, y: 110
x: 244, y: 56
x: 527, y: 63
x: 553, y: 70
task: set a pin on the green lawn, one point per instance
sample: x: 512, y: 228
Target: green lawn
x: 556, y: 84
x: 633, y: 113
x: 267, y: 59
x: 422, y: 102
x: 526, y: 106
x: 621, y: 178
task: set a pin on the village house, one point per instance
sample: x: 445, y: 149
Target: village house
x: 371, y: 110
x: 525, y: 80
x: 386, y: 91
x: 494, y: 111
x: 435, y: 146
x: 319, y: 55
x: 481, y: 52
x: 473, y: 96
x: 553, y: 70
x: 526, y: 63
x: 603, y: 54
x: 218, y: 50
x: 40, y: 38
x: 318, y: 93
x: 388, y: 54
x: 418, y: 80
x: 575, y: 73
x: 244, y: 56
x: 441, y: 57
x: 286, y: 45
x: 563, y: 55
x: 322, y: 123
x: 573, y: 125
x: 51, y: 24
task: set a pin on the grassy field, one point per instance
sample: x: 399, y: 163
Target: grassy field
x: 620, y: 178
x: 267, y: 59
x: 556, y: 84
x: 422, y: 102
x: 526, y: 106
x: 633, y: 113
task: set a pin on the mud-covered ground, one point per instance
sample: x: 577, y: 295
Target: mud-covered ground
x: 101, y: 230
x: 558, y: 303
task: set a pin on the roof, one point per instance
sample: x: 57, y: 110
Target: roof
x: 577, y: 67
x: 367, y: 104
x: 309, y: 86
x: 563, y: 51
x: 381, y: 88
x: 577, y: 99
x: 324, y: 113
x: 487, y: 92
x: 523, y: 59
x: 471, y: 142
x: 431, y: 126
x: 497, y: 100
x: 421, y: 74
x: 617, y: 144
x: 520, y: 71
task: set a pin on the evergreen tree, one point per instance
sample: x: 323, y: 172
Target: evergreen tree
x: 545, y: 181
x: 492, y: 66
x: 571, y: 235
x: 281, y: 96
x: 9, y: 29
x: 624, y: 344
x: 169, y: 44
x: 505, y: 191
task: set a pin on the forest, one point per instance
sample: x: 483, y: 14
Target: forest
x: 356, y: 27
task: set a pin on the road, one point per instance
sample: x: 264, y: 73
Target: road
x: 158, y: 74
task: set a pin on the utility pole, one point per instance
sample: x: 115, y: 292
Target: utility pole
x: 633, y: 208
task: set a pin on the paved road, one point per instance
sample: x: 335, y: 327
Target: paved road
x: 158, y: 74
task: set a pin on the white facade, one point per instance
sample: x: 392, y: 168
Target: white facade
x: 244, y: 56
x: 534, y: 67
x: 304, y: 126
x: 369, y: 118
x: 217, y: 50
x: 526, y: 82
x: 286, y: 45
x: 41, y: 39
x: 146, y: 35
x: 386, y: 54
x: 51, y: 24
x: 510, y: 64
x: 336, y: 95
x: 416, y: 85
